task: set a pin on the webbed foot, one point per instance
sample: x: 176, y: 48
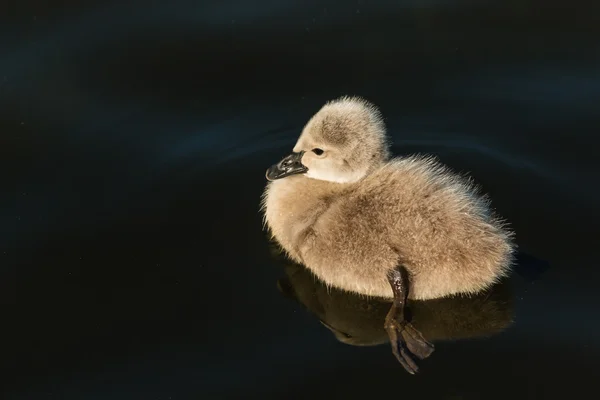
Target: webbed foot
x: 405, y: 339
x: 407, y: 342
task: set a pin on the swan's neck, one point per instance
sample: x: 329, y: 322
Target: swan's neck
x: 293, y: 204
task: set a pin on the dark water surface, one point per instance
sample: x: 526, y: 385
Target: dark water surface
x: 134, y: 137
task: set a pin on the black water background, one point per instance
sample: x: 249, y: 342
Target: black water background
x: 133, y: 142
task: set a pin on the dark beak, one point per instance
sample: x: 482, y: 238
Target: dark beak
x: 291, y: 165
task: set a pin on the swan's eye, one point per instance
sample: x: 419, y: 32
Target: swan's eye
x: 318, y: 151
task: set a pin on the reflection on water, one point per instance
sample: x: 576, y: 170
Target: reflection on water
x: 359, y: 321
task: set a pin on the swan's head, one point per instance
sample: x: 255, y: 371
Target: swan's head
x: 342, y: 143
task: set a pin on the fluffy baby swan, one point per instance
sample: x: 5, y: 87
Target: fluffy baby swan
x: 393, y: 228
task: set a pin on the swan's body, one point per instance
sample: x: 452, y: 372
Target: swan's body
x: 361, y: 221
x: 409, y: 211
